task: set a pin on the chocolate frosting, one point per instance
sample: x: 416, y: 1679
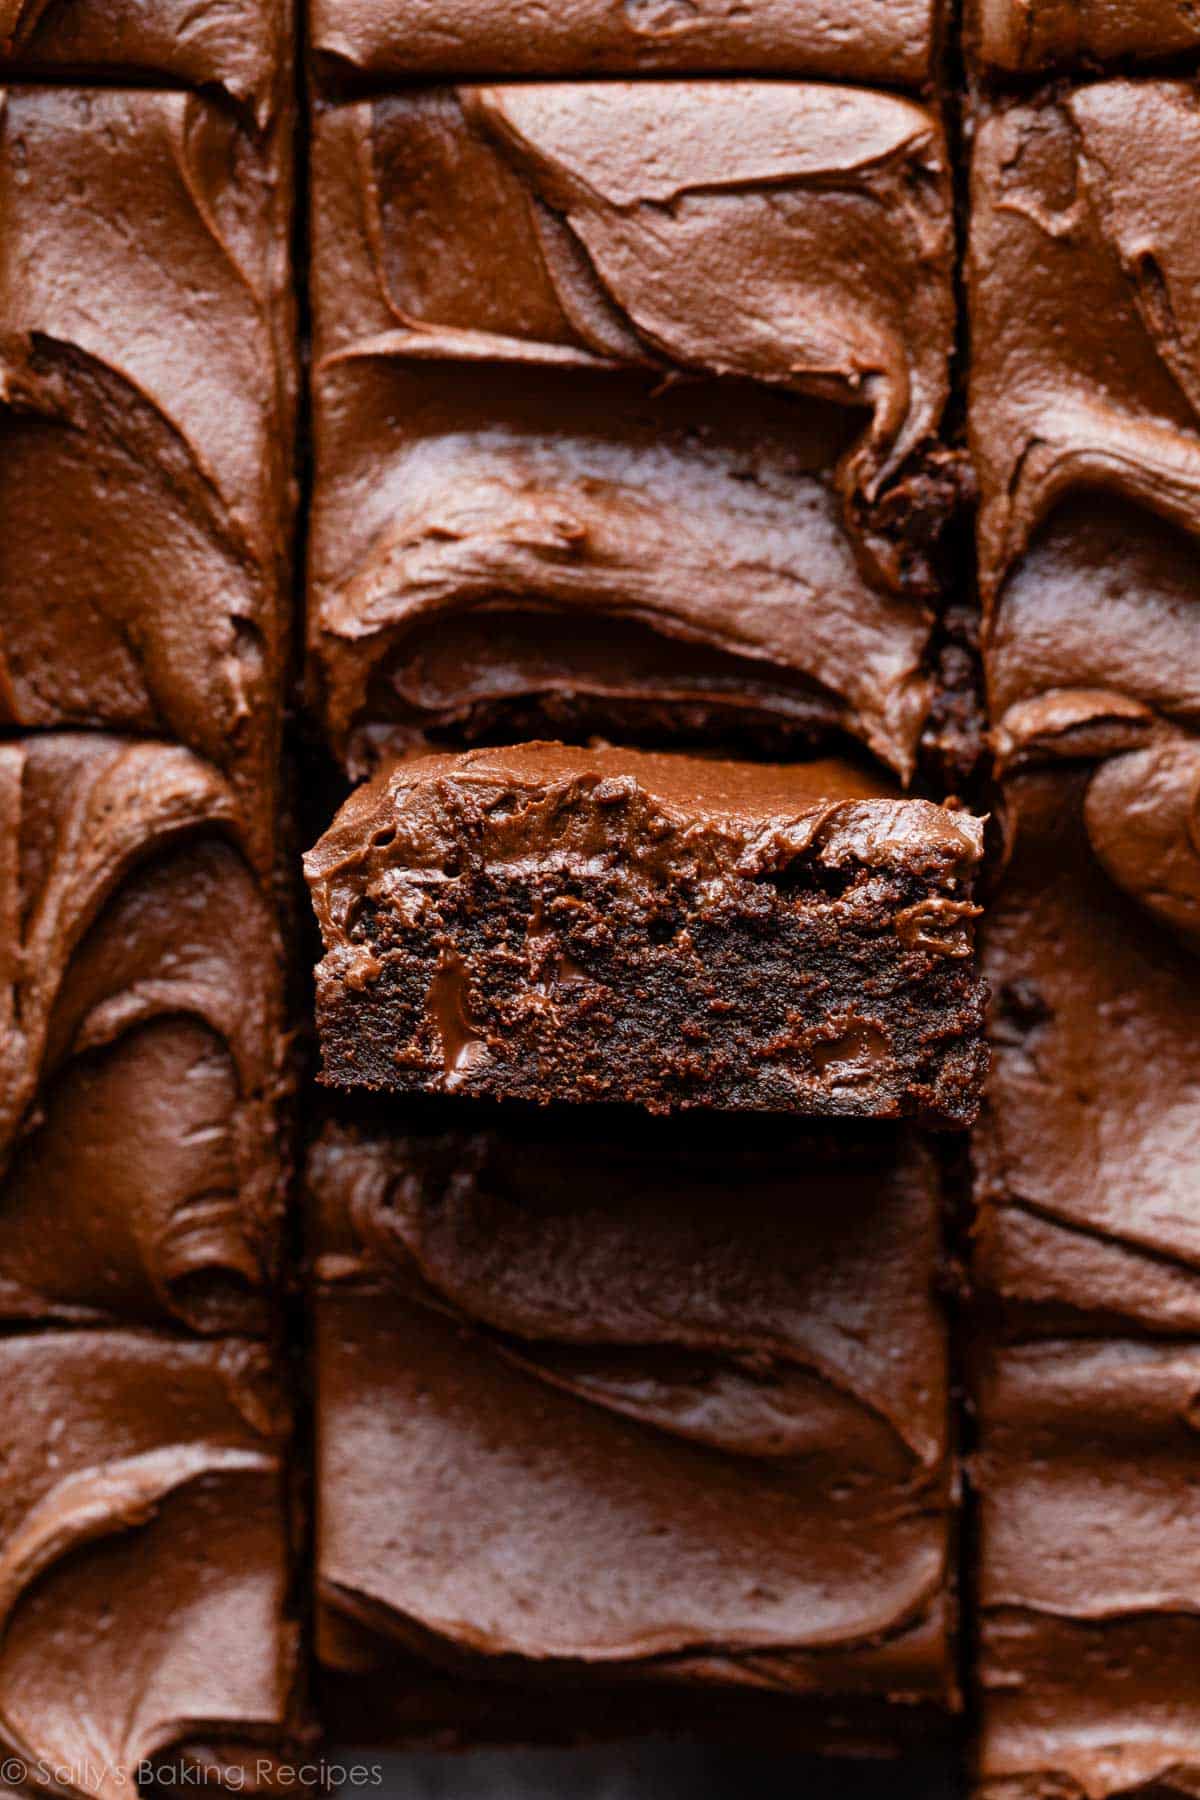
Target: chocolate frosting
x: 1088, y: 1151
x: 141, y: 1056
x: 537, y: 390
x: 884, y: 42
x: 1086, y: 441
x: 145, y: 411
x: 142, y: 1554
x: 698, y: 1396
x: 243, y: 46
x: 1088, y: 1585
x: 1018, y: 36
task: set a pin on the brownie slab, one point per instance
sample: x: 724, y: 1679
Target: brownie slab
x: 1086, y: 442
x: 144, y: 1561
x: 546, y: 923
x: 1014, y: 37
x: 243, y: 46
x: 889, y: 43
x: 146, y: 376
x: 618, y: 1433
x: 142, y: 1055
x: 571, y: 476
x: 1088, y: 1588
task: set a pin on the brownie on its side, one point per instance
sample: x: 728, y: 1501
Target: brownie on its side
x: 618, y: 1433
x: 1016, y: 37
x: 143, y: 1562
x: 141, y: 1042
x: 886, y: 43
x: 545, y: 923
x: 242, y: 46
x: 626, y: 412
x: 146, y: 376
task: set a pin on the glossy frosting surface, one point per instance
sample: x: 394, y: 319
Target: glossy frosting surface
x: 141, y: 1056
x: 699, y: 1397
x: 560, y: 459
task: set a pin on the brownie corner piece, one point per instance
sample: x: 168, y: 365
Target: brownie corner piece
x: 545, y: 923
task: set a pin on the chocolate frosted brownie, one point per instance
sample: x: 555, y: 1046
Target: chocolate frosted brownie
x: 616, y: 1433
x: 145, y: 418
x: 887, y: 43
x: 1089, y: 1588
x: 242, y: 46
x: 545, y: 923
x: 143, y: 1563
x: 627, y: 399
x: 141, y: 1046
x: 1010, y: 37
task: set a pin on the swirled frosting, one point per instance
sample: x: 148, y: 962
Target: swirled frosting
x: 141, y: 1054
x: 1089, y: 1591
x: 1019, y: 36
x: 889, y: 42
x: 243, y: 46
x: 143, y: 1557
x: 696, y: 1393
x: 567, y: 461
x: 145, y: 408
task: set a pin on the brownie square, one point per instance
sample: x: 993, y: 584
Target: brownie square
x: 619, y: 1433
x: 142, y: 1512
x: 887, y: 43
x: 145, y: 426
x: 543, y: 923
x: 1017, y: 37
x: 627, y: 399
x: 1089, y: 1589
x: 142, y: 1057
x: 242, y: 46
x: 1088, y: 1150
x: 1085, y: 435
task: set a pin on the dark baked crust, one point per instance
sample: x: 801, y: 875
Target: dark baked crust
x: 1020, y: 37
x: 544, y: 923
x: 146, y: 389
x: 142, y: 1057
x: 664, y: 1372
x: 571, y: 477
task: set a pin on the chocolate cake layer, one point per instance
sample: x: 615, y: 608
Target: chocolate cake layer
x: 1086, y: 440
x: 542, y: 923
x: 1021, y: 36
x: 618, y: 1432
x: 627, y: 399
x: 146, y: 384
x: 143, y: 1561
x: 1089, y: 1588
x: 141, y: 1048
x: 883, y: 43
x: 242, y: 46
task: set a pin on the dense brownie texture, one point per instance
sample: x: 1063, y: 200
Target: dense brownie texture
x: 1086, y: 440
x: 242, y: 46
x: 141, y: 1049
x: 1090, y: 1587
x: 145, y: 426
x: 883, y: 42
x: 143, y: 1558
x: 617, y: 1431
x: 627, y: 399
x: 1011, y: 37
x: 544, y: 923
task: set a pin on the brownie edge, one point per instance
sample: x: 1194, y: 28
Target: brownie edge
x: 545, y: 923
